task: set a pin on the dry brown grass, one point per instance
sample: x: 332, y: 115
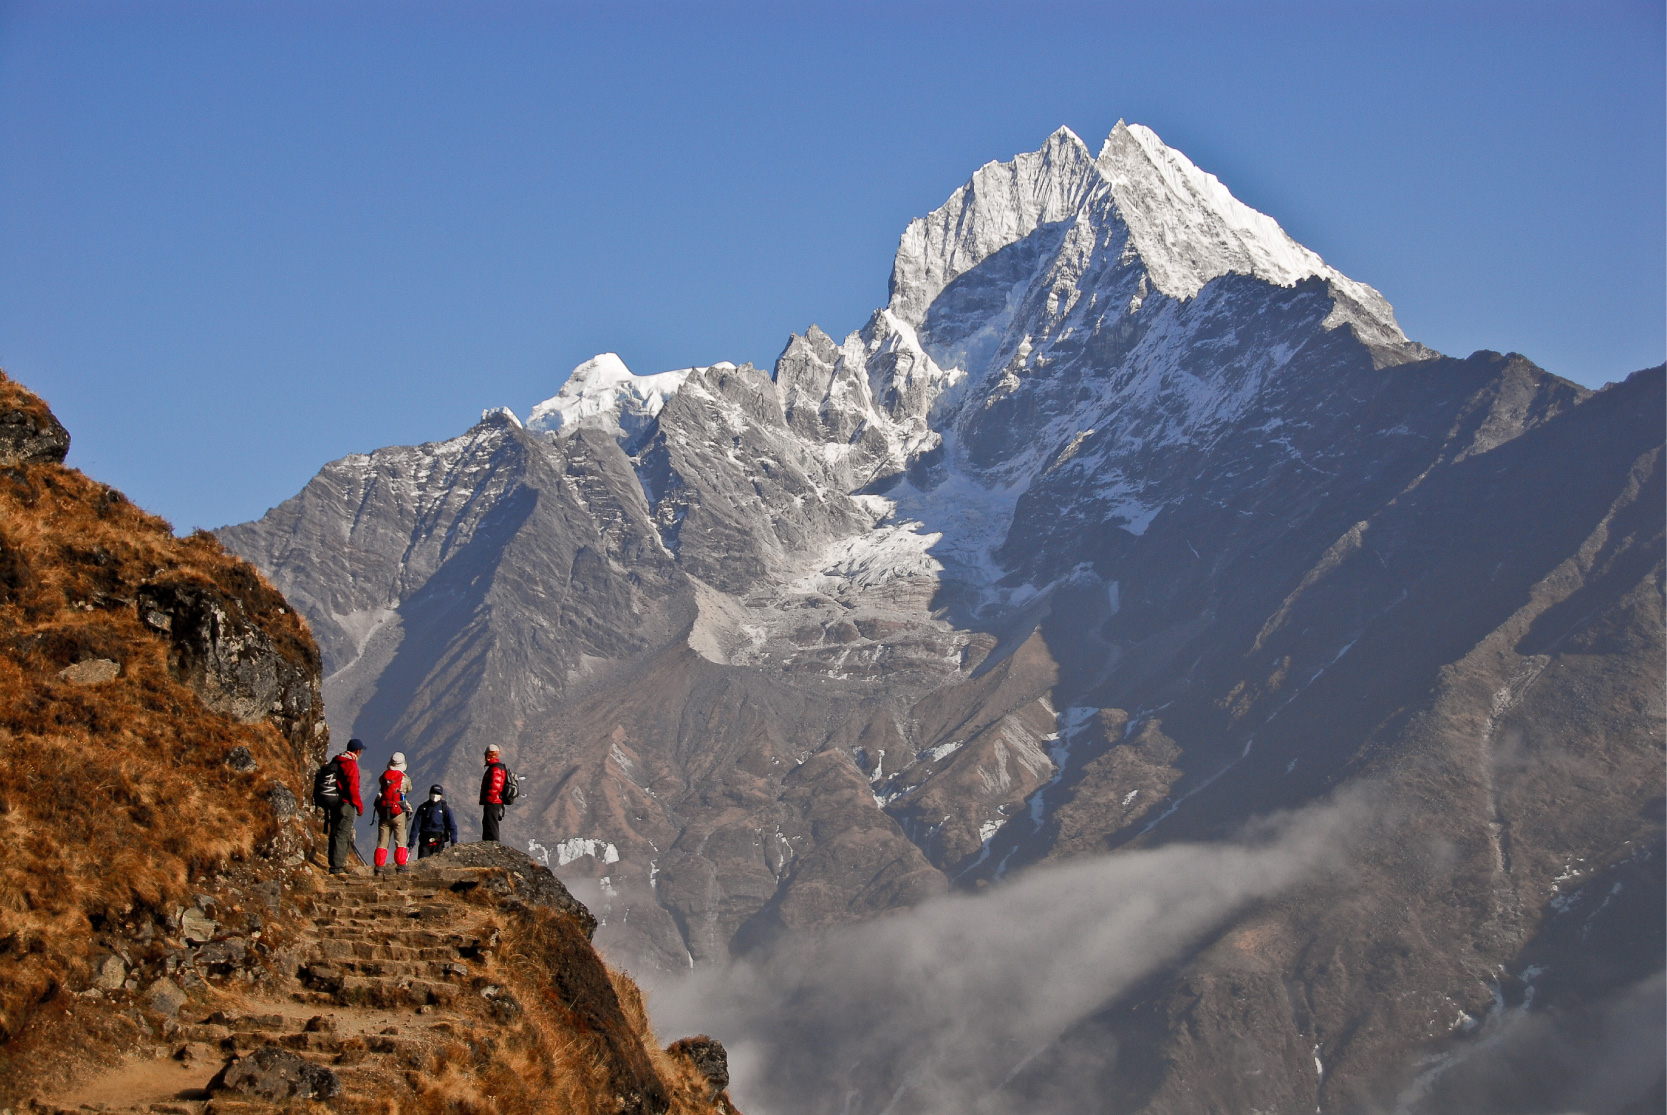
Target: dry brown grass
x: 114, y: 797
x: 571, y: 1037
x: 685, y: 1087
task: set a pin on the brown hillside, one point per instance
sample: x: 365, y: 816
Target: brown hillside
x: 160, y: 714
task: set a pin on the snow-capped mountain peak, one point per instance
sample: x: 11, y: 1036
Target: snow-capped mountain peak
x: 1184, y: 227
x: 602, y: 393
x: 1189, y: 228
x: 1001, y: 205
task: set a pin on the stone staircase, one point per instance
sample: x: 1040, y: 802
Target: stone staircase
x: 368, y: 995
x: 394, y: 941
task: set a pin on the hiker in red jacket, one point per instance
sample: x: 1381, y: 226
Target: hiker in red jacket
x: 393, y: 812
x: 338, y: 822
x: 492, y: 795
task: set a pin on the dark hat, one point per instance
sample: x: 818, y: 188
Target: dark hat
x: 437, y: 789
x: 355, y: 745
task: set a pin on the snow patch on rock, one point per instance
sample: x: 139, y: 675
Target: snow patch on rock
x: 602, y: 393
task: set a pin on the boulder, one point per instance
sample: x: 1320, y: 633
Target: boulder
x: 165, y: 997
x: 109, y: 973
x: 197, y: 926
x: 29, y: 432
x: 276, y: 1074
x: 91, y: 671
x: 197, y: 1053
x: 709, y: 1058
x: 522, y: 877
x: 283, y: 802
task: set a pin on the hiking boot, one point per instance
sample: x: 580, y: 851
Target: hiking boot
x: 403, y: 869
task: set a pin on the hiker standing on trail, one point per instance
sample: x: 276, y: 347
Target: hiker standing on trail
x: 432, y: 827
x: 393, y: 812
x: 336, y: 790
x: 492, y: 795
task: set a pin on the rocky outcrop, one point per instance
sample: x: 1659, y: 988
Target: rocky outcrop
x: 517, y: 876
x: 29, y: 432
x: 271, y: 1073
x: 708, y: 1057
x: 232, y: 664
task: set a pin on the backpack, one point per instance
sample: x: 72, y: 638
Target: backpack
x: 512, y: 787
x: 395, y: 805
x: 327, y: 784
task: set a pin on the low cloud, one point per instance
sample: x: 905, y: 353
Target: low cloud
x: 1602, y: 1058
x: 927, y: 1011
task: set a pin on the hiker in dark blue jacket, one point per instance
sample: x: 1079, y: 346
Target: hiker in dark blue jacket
x: 432, y: 827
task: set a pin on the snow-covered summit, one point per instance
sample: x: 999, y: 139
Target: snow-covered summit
x: 1183, y: 226
x: 602, y: 393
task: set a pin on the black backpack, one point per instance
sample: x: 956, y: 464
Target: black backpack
x: 512, y: 786
x: 327, y: 784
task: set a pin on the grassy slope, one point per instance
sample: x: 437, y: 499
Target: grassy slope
x: 114, y: 797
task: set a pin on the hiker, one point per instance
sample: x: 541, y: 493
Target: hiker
x: 492, y: 795
x: 432, y: 827
x: 393, y: 811
x: 336, y: 790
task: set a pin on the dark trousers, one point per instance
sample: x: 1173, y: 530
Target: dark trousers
x: 430, y: 844
x: 338, y: 828
x: 490, y: 816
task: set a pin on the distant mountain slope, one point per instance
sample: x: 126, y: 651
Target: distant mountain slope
x: 1126, y: 520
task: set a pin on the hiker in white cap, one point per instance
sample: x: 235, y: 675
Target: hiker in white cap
x: 392, y: 813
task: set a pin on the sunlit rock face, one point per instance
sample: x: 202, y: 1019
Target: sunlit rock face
x: 1127, y: 520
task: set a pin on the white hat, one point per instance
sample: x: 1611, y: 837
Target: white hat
x: 398, y: 761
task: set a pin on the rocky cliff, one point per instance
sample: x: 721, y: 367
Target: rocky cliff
x: 162, y: 920
x: 1125, y: 522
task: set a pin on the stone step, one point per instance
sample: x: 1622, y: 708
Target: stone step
x: 376, y: 916
x: 391, y: 884
x: 227, y: 1105
x: 410, y: 938
x: 380, y: 991
x: 382, y: 908
x: 346, y: 950
x: 394, y: 969
x: 240, y: 1021
x: 337, y: 950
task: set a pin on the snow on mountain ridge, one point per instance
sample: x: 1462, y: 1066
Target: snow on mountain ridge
x: 1001, y: 204
x: 603, y: 393
x: 1184, y: 225
x: 868, y: 401
x: 1189, y: 228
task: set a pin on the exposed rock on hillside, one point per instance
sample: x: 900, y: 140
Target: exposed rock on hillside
x: 29, y: 432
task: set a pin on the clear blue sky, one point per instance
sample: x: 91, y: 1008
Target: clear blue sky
x: 238, y: 240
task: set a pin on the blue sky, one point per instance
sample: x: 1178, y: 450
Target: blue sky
x: 238, y: 240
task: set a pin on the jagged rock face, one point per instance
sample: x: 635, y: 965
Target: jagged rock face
x: 30, y: 433
x: 1126, y: 521
x: 233, y: 666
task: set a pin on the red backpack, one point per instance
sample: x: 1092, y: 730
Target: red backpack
x: 391, y: 797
